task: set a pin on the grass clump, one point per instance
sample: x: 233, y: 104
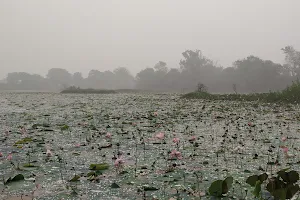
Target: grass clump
x: 77, y: 90
x: 291, y: 94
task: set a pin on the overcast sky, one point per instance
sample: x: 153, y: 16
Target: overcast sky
x: 80, y: 35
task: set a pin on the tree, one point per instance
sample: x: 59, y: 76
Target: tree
x: 292, y: 57
x: 25, y: 81
x: 161, y: 67
x: 123, y: 78
x: 197, y: 68
x: 146, y: 79
x: 172, y: 79
x: 77, y: 79
x: 201, y: 87
x: 59, y: 77
x: 194, y: 60
x: 256, y: 75
x: 101, y: 80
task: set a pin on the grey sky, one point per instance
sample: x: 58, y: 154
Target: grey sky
x: 80, y: 35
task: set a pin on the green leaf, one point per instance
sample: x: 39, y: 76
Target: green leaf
x: 275, y: 184
x: 149, y: 188
x: 18, y: 177
x: 251, y: 180
x: 216, y: 188
x: 227, y: 184
x: 75, y: 178
x: 229, y: 181
x: 257, y: 188
x: 98, y: 172
x: 101, y: 166
x: 280, y: 194
x: 64, y: 127
x: 29, y: 165
x: 289, y: 177
x: 23, y: 141
x: 292, y: 190
x: 293, y: 176
x: 114, y: 185
x: 263, y: 177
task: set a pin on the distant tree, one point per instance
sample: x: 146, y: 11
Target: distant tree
x: 15, y: 78
x: 234, y: 88
x: 123, y: 78
x: 196, y: 67
x: 146, y: 79
x: 256, y: 75
x: 172, y: 79
x: 77, y: 79
x: 59, y: 78
x: 25, y: 81
x: 108, y: 80
x: 201, y: 87
x: 292, y: 58
x: 161, y: 67
x: 101, y: 80
x: 193, y: 60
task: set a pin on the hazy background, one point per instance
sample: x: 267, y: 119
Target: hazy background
x: 80, y: 35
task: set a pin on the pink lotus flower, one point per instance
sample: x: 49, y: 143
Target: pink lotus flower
x: 9, y: 157
x: 283, y: 139
x: 6, y: 132
x: 23, y: 130
x: 193, y: 138
x: 119, y: 162
x: 155, y: 113
x: 77, y: 145
x: 83, y: 123
x: 1, y: 155
x: 37, y: 186
x: 176, y: 140
x: 49, y: 153
x: 108, y: 135
x: 160, y: 135
x: 176, y: 154
x: 285, y: 149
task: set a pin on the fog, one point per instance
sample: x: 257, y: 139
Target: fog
x: 80, y: 36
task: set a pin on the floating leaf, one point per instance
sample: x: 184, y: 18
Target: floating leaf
x: 228, y: 181
x: 257, y: 188
x: 75, y: 178
x: 18, y: 177
x: 289, y: 177
x: 292, y: 190
x: 114, y: 185
x: 64, y: 127
x: 280, y: 194
x: 23, y: 141
x: 216, y: 188
x: 29, y: 165
x: 149, y: 188
x: 263, y: 177
x: 101, y: 166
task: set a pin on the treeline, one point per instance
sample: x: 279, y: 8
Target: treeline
x: 248, y: 75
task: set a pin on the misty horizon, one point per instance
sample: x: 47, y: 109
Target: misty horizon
x: 103, y: 35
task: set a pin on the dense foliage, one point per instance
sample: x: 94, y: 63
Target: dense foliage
x: 290, y: 94
x: 248, y: 75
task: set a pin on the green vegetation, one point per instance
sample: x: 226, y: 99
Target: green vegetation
x: 289, y: 95
x: 151, y: 146
x: 77, y: 90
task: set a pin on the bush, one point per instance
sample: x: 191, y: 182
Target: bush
x: 289, y: 95
x: 77, y: 90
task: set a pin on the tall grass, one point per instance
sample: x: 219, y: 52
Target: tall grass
x: 291, y: 94
x: 77, y: 90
